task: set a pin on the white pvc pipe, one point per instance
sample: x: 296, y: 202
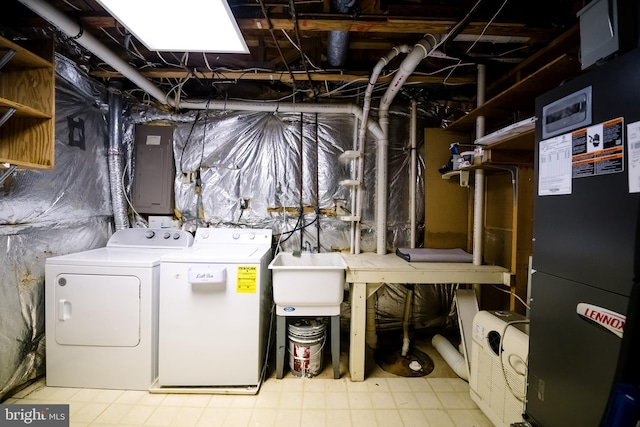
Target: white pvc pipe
x: 354, y: 175
x: 419, y: 52
x: 478, y: 199
x: 413, y: 173
x: 382, y: 62
x: 452, y: 356
x: 408, y: 302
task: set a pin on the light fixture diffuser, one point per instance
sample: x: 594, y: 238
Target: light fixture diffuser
x: 180, y: 25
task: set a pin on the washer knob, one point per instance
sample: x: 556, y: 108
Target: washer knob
x: 252, y: 236
x: 236, y: 236
x: 167, y: 235
x: 149, y: 234
x: 205, y: 235
x: 176, y: 236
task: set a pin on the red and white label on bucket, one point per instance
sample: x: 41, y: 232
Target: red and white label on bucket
x: 306, y: 358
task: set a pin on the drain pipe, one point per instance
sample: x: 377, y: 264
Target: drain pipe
x: 382, y: 62
x: 478, y: 196
x: 115, y: 155
x: 413, y: 172
x: 420, y: 51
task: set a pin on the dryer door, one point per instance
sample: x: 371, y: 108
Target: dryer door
x: 97, y: 310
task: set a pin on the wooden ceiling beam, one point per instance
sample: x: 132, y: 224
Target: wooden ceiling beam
x: 283, y: 76
x: 393, y: 25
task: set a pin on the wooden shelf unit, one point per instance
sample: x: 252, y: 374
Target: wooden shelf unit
x: 509, y: 158
x: 27, y: 85
x: 511, y: 98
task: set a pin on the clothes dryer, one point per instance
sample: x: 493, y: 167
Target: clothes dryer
x: 101, y: 320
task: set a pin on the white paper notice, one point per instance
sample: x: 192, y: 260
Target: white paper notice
x: 633, y: 141
x: 153, y: 139
x: 555, y: 166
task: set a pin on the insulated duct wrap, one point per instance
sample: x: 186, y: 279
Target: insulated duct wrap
x: 116, y: 153
x: 338, y: 41
x: 45, y: 213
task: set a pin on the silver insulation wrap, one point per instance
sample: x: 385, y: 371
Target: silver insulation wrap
x: 116, y: 156
x: 287, y: 165
x: 50, y: 212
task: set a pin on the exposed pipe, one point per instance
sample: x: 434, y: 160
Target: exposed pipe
x: 452, y: 356
x: 478, y: 193
x: 338, y: 41
x: 412, y: 214
x: 115, y: 154
x: 413, y: 172
x: 382, y: 62
x: 354, y: 231
x: 420, y: 51
x: 478, y: 203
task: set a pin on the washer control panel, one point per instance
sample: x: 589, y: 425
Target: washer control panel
x: 254, y: 236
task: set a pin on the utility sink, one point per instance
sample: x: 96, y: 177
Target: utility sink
x: 308, y: 284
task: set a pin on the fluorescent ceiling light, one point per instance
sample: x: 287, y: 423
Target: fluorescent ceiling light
x: 180, y: 25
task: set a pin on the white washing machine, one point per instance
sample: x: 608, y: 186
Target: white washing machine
x: 215, y: 305
x: 101, y: 311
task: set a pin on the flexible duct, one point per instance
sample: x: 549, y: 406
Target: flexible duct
x: 115, y: 156
x: 452, y: 356
x: 338, y: 41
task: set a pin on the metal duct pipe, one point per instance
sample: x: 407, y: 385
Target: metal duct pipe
x: 115, y: 155
x: 338, y: 41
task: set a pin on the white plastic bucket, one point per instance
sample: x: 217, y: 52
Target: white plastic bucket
x: 306, y: 341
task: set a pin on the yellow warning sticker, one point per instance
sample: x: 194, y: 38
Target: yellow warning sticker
x: 246, y: 282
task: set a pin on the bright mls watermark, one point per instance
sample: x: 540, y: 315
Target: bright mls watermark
x: 34, y: 415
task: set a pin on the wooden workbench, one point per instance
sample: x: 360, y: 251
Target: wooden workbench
x: 366, y: 273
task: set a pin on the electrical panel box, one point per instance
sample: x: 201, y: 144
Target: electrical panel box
x: 607, y: 27
x: 154, y: 170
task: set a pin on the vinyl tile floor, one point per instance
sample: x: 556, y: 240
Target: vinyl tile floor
x: 440, y: 399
